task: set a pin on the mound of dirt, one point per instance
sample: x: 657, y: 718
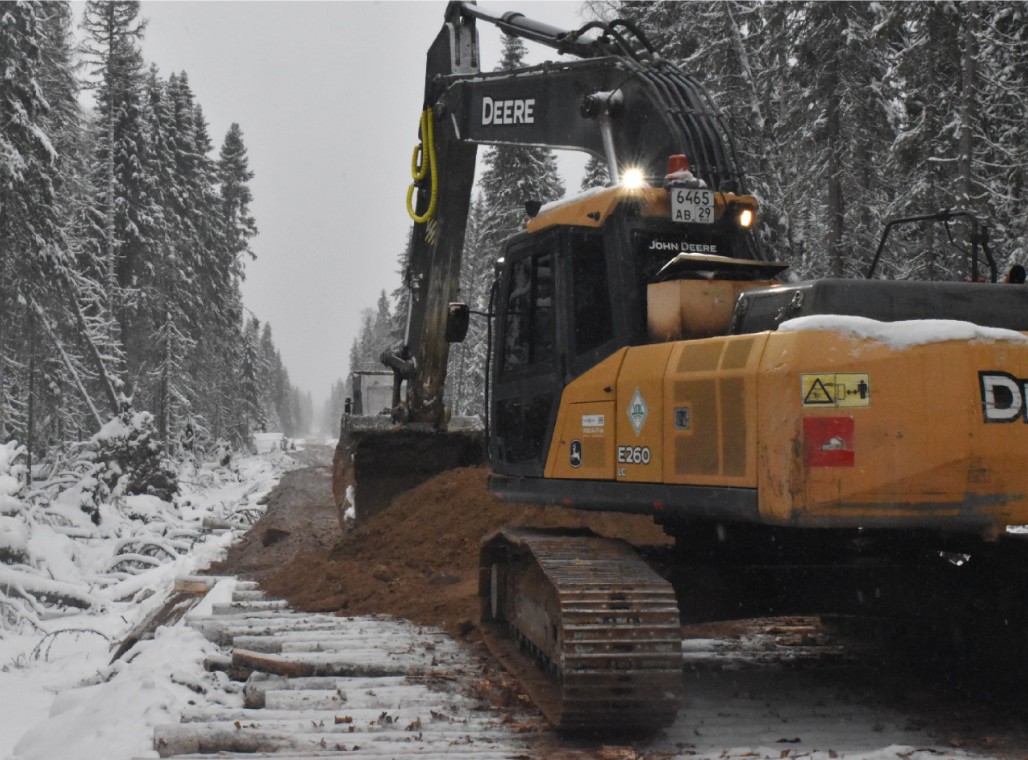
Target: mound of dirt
x: 418, y: 559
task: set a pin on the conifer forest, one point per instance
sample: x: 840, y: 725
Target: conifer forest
x: 124, y: 234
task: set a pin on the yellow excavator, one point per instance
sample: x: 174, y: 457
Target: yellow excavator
x: 845, y: 447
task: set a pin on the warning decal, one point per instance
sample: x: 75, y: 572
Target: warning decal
x: 836, y: 390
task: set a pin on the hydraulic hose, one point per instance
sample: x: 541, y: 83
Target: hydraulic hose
x: 422, y: 164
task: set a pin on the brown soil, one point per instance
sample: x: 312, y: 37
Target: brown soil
x: 417, y: 560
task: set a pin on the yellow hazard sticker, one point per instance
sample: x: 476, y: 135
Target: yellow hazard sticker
x: 836, y: 390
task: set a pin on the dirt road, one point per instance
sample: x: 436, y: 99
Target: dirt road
x: 764, y: 688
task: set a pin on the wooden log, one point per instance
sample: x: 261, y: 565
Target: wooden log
x: 270, y: 609
x: 222, y: 631
x: 175, y: 740
x: 314, y: 665
x: 374, y: 751
x: 248, y: 608
x: 220, y: 525
x: 361, y: 718
x: 175, y: 606
x: 248, y: 595
x: 258, y: 685
x: 413, y: 650
x: 197, y: 738
x: 380, y: 698
x: 195, y: 584
x: 344, y: 628
x: 217, y: 662
x: 333, y: 641
x: 35, y: 588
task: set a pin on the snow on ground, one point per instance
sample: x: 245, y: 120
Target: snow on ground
x: 111, y: 715
x: 265, y: 442
x: 60, y: 697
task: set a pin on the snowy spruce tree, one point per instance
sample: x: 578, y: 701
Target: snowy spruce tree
x: 125, y: 213
x: 997, y: 47
x: 30, y: 238
x: 596, y: 174
x: 841, y: 115
x: 235, y: 197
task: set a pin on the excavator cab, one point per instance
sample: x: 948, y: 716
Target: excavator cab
x: 595, y: 274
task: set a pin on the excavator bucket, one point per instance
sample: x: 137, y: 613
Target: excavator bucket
x: 377, y: 459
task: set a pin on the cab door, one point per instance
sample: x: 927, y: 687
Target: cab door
x: 527, y: 385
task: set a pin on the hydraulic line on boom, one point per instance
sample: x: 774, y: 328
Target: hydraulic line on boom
x: 423, y: 165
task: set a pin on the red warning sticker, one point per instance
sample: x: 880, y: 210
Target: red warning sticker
x: 828, y: 441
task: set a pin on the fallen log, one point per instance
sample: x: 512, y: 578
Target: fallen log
x: 296, y: 667
x: 206, y: 738
x: 258, y: 685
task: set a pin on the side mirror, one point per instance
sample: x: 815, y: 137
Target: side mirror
x: 458, y: 315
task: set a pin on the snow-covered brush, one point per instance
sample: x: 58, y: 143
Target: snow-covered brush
x: 151, y: 546
x: 27, y: 598
x: 66, y: 466
x: 42, y: 649
x: 130, y: 460
x: 246, y: 516
x: 132, y: 564
x: 136, y: 554
x: 17, y: 615
x: 12, y: 471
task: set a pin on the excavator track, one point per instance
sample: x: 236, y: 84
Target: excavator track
x: 600, y: 627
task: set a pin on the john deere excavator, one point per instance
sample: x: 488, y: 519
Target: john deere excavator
x: 846, y: 447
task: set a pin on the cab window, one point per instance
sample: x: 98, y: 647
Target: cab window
x: 590, y: 294
x: 529, y: 328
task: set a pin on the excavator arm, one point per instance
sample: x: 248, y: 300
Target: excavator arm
x: 619, y: 101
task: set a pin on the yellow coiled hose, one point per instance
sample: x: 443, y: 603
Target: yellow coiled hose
x: 420, y: 168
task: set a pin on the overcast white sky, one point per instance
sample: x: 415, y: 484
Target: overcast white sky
x: 328, y: 96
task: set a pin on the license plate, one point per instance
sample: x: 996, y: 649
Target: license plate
x: 692, y: 206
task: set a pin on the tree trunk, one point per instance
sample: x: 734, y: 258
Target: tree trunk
x: 66, y: 360
x: 29, y: 432
x: 836, y: 209
x: 162, y: 394
x: 3, y: 365
x: 106, y: 382
x: 968, y: 103
x: 968, y: 110
x: 109, y: 216
x: 768, y: 155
